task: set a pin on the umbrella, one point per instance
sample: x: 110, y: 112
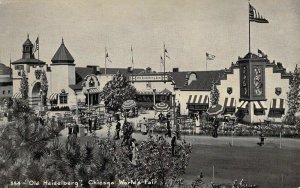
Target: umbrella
x: 215, y: 110
x: 161, y: 107
x: 129, y: 104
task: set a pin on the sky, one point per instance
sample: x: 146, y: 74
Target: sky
x: 189, y: 29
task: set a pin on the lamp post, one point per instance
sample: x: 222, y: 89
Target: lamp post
x: 41, y: 95
x: 154, y: 91
x: 77, y: 118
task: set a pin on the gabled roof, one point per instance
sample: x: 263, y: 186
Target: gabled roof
x: 62, y: 55
x: 4, y: 70
x: 82, y: 72
x: 27, y: 43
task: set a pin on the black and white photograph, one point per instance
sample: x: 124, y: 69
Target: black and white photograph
x: 149, y: 94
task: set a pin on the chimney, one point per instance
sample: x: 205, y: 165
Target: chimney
x: 129, y: 70
x: 176, y: 69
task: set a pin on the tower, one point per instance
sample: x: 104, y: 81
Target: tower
x: 63, y: 70
x: 32, y: 68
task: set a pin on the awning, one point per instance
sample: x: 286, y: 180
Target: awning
x: 259, y: 105
x: 92, y: 91
x: 53, y: 96
x: 243, y: 104
x: 198, y: 99
x: 229, y: 103
x: 17, y: 95
x: 277, y: 104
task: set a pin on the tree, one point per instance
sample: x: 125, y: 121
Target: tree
x: 44, y: 87
x: 155, y: 163
x: 214, y: 94
x: 24, y: 87
x: 23, y: 143
x: 293, y: 98
x: 118, y: 90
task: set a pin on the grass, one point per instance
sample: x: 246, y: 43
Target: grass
x: 265, y: 167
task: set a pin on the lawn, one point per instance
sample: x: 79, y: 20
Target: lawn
x: 265, y: 167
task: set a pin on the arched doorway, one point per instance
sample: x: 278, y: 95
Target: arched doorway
x: 35, y: 98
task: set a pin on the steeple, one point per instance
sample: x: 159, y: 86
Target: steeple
x: 27, y: 49
x: 62, y: 55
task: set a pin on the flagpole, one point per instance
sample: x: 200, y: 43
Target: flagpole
x: 164, y: 62
x: 10, y: 65
x: 38, y: 48
x: 105, y: 61
x: 249, y: 26
x: 132, y: 58
x: 206, y: 61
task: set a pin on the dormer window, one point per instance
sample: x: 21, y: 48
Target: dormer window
x: 192, y: 77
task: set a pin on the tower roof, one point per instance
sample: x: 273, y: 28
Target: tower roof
x: 62, y: 55
x: 27, y: 42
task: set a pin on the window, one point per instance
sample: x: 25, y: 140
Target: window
x: 259, y: 112
x: 19, y: 67
x: 63, y: 98
x: 8, y: 91
x: 3, y: 92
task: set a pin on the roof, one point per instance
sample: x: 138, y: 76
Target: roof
x: 62, y: 55
x: 4, y: 70
x: 178, y: 78
x: 28, y: 43
x: 204, y: 80
x: 122, y: 70
x: 28, y: 61
x: 82, y: 72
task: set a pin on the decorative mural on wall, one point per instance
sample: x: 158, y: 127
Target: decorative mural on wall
x: 257, y: 81
x: 245, y: 90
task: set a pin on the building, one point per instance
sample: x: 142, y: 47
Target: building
x: 6, y: 86
x: 253, y: 86
x: 32, y: 68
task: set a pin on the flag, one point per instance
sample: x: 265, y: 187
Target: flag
x: 260, y: 52
x: 107, y: 57
x: 254, y: 15
x: 36, y: 45
x: 161, y: 60
x: 210, y: 56
x: 166, y: 53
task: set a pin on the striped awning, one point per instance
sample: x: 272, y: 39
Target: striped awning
x: 17, y: 95
x: 259, y: 105
x: 277, y: 104
x: 243, y: 104
x: 92, y: 91
x: 53, y: 96
x: 198, y: 99
x: 229, y: 103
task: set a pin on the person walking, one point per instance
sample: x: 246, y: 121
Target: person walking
x: 168, y: 129
x: 90, y: 124
x: 144, y: 126
x: 95, y: 124
x: 173, y: 144
x: 70, y: 128
x: 118, y: 128
x: 76, y: 129
x: 133, y: 152
x: 125, y: 132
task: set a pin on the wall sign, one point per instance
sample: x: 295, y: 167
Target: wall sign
x: 252, y: 79
x: 148, y: 78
